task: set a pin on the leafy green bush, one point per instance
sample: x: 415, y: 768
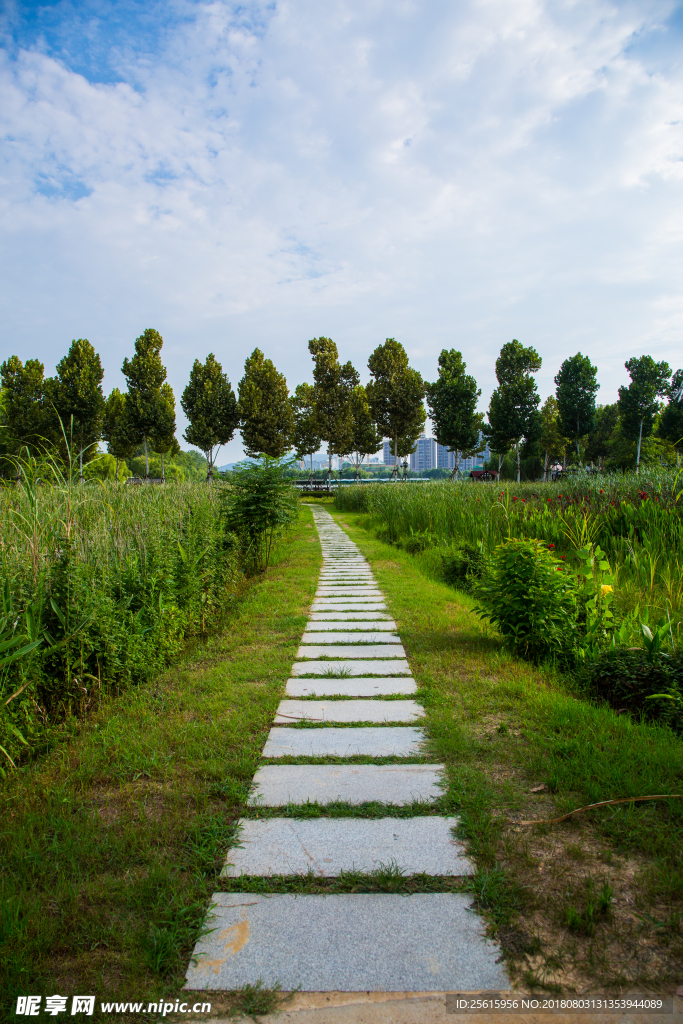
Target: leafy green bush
x: 629, y: 680
x: 532, y: 599
x: 260, y: 502
x: 464, y: 567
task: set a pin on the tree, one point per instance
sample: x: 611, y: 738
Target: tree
x: 602, y: 437
x: 23, y: 387
x: 145, y: 374
x: 395, y: 397
x: 638, y: 401
x: 266, y: 416
x: 122, y: 443
x: 163, y: 436
x: 452, y: 401
x: 670, y: 426
x: 576, y: 391
x: 552, y: 442
x: 333, y: 386
x: 513, y: 411
x: 366, y: 439
x: 76, y: 396
x: 306, y: 436
x: 211, y: 407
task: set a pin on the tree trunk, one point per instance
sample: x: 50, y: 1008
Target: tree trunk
x: 163, y: 471
x: 519, y: 464
x: 545, y: 467
x: 640, y: 441
x: 146, y: 459
x: 394, y: 472
x: 116, y: 476
x: 500, y: 462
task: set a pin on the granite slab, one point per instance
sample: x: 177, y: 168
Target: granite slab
x: 333, y: 621
x: 357, y: 637
x: 397, y: 784
x: 375, y: 686
x: 347, y: 711
x: 328, y: 846
x: 370, y: 942
x: 367, y: 741
x: 357, y: 667
x: 348, y: 651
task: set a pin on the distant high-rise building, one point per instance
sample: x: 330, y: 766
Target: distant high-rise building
x: 445, y: 459
x: 388, y: 455
x: 424, y: 454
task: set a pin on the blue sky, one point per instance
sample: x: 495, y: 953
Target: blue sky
x: 452, y: 174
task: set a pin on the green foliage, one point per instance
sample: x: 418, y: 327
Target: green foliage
x: 260, y: 503
x: 670, y: 426
x: 210, y: 405
x: 24, y: 406
x: 147, y: 408
x: 464, y: 567
x: 529, y: 595
x: 638, y: 402
x: 631, y: 680
x: 599, y: 448
x: 552, y: 443
x: 395, y: 396
x: 333, y: 388
x: 366, y: 439
x: 514, y: 420
x: 122, y: 440
x: 266, y: 416
x: 306, y: 437
x: 576, y: 391
x: 452, y: 402
x: 111, y: 581
x: 75, y: 395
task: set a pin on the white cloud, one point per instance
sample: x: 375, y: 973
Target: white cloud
x: 449, y: 176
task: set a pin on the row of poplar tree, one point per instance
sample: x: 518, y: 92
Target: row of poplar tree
x: 69, y: 413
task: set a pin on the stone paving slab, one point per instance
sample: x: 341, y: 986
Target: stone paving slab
x: 398, y: 784
x: 372, y: 942
x: 348, y: 711
x: 368, y: 593
x: 357, y: 637
x: 372, y: 687
x: 396, y: 667
x: 328, y: 846
x: 370, y: 741
x: 348, y: 651
x: 344, y: 604
x: 353, y: 620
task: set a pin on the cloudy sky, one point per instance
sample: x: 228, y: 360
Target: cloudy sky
x: 452, y: 174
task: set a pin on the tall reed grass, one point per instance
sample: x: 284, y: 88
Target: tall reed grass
x: 637, y: 521
x: 102, y: 584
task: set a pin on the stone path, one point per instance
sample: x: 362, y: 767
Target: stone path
x: 372, y: 942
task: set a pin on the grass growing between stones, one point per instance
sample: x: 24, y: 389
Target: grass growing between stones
x: 111, y: 847
x: 597, y: 901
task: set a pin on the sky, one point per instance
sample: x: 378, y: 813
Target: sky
x: 451, y: 173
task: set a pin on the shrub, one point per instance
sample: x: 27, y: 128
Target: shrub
x: 631, y: 681
x: 532, y: 599
x: 259, y: 504
x: 464, y: 567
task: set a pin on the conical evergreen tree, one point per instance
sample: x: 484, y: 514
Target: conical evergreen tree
x: 266, y: 417
x: 211, y: 407
x: 145, y: 374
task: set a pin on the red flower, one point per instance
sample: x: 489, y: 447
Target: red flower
x: 601, y: 491
x: 550, y: 546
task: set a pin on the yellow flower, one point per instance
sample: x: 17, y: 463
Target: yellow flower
x: 606, y: 589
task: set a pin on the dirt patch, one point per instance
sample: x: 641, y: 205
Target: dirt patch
x: 386, y: 564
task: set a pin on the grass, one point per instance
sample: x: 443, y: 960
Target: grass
x: 505, y: 728
x: 112, y: 844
